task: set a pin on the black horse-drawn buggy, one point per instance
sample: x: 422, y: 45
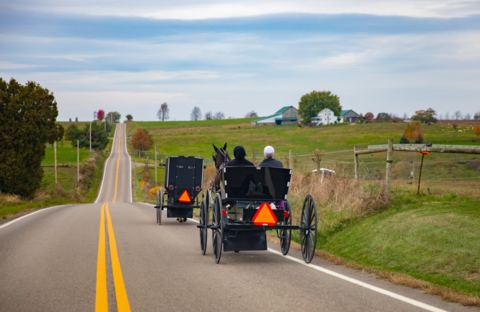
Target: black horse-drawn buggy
x: 183, y: 182
x: 248, y: 202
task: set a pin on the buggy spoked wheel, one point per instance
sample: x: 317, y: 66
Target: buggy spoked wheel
x: 308, y: 229
x: 158, y: 213
x: 285, y: 235
x: 217, y: 231
x: 204, y: 223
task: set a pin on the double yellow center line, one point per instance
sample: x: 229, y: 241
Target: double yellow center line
x: 101, y: 300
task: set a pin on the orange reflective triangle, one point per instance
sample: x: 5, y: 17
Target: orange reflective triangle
x: 264, y: 215
x: 185, y: 198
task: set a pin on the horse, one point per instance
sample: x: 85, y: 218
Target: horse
x: 220, y: 159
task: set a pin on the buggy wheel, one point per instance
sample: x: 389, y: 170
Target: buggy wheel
x: 158, y: 213
x: 217, y: 233
x: 308, y: 229
x: 204, y: 223
x: 285, y: 235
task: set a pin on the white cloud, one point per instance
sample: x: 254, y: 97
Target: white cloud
x: 189, y: 10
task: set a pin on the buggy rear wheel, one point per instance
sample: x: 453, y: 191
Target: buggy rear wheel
x: 285, y: 235
x: 308, y: 229
x: 159, y: 207
x: 204, y: 223
x: 217, y: 231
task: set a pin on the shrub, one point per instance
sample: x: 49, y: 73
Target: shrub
x: 413, y: 134
x: 142, y: 140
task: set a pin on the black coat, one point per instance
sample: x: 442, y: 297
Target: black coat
x: 239, y: 163
x: 271, y: 163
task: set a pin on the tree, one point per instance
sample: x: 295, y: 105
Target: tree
x: 251, y: 114
x: 28, y: 116
x: 476, y: 116
x: 312, y: 103
x: 425, y: 116
x: 142, y: 140
x: 413, y: 134
x: 162, y: 113
x: 219, y: 116
x: 113, y: 117
x: 467, y: 116
x: 73, y: 134
x: 382, y: 117
x: 129, y: 117
x: 369, y: 117
x: 208, y: 116
x: 458, y: 115
x: 100, y: 114
x: 196, y: 113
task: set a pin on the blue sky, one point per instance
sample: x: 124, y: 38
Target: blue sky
x: 377, y: 55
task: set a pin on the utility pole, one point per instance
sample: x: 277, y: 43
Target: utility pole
x: 355, y: 159
x: 55, y: 161
x: 290, y: 159
x: 155, y: 166
x: 90, y: 136
x: 78, y: 163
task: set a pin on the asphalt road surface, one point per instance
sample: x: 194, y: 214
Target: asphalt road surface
x: 111, y: 255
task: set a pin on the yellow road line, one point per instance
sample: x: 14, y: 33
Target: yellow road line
x: 115, y: 190
x: 101, y: 301
x: 120, y: 290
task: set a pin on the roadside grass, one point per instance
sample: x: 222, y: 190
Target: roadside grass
x: 433, y: 238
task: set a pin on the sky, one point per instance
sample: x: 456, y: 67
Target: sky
x: 394, y: 56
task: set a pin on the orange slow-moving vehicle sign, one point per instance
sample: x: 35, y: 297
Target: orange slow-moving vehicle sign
x: 185, y: 198
x: 264, y: 216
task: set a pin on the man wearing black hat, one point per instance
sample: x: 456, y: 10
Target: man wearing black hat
x: 239, y: 161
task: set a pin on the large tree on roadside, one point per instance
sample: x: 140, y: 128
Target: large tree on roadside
x: 312, y: 103
x: 113, y: 117
x: 28, y: 116
x: 425, y: 116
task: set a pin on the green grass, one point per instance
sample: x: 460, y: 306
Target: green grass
x: 433, y: 238
x: 66, y: 154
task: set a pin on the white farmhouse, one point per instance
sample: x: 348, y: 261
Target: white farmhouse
x: 325, y: 117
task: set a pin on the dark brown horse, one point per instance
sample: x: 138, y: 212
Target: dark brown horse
x: 220, y: 158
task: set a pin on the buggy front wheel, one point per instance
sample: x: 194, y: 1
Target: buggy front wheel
x: 217, y: 230
x: 308, y: 229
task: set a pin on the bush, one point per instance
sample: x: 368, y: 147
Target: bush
x: 476, y: 130
x: 142, y: 140
x: 413, y: 134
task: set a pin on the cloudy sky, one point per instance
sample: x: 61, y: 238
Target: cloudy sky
x: 231, y: 56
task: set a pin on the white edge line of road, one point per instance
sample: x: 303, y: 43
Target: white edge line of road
x: 129, y: 166
x: 105, y: 165
x: 354, y: 281
x: 31, y: 214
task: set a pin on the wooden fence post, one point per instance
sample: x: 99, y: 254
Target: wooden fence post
x: 388, y: 170
x: 290, y: 164
x: 355, y: 160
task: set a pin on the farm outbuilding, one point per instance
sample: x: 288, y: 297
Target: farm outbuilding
x: 349, y: 116
x: 284, y: 116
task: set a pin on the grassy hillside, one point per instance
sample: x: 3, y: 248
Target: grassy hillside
x: 433, y: 237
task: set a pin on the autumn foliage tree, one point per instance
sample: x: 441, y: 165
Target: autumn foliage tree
x: 413, y: 134
x: 142, y: 140
x: 369, y: 117
x: 100, y: 114
x: 477, y: 131
x: 28, y: 116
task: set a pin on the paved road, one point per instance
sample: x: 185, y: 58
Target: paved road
x: 110, y: 255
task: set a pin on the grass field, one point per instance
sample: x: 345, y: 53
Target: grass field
x: 66, y: 154
x: 433, y: 237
